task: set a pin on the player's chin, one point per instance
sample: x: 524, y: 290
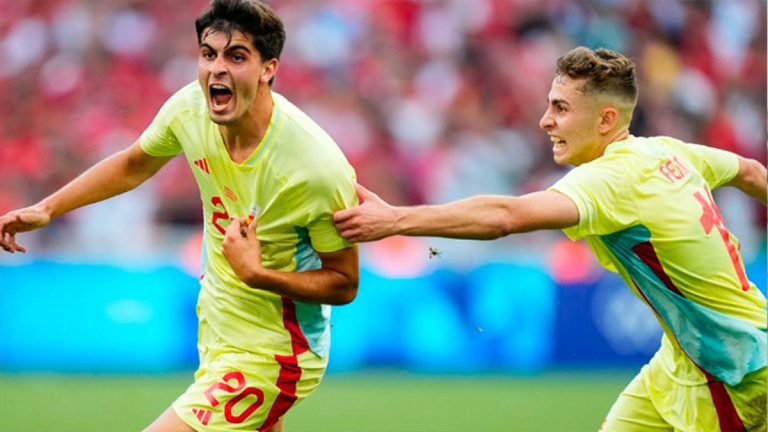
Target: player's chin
x: 221, y: 119
x: 222, y: 115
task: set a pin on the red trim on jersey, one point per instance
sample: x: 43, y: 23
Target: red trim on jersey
x: 647, y: 254
x: 290, y: 371
x: 727, y: 416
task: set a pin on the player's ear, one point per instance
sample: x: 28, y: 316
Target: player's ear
x: 609, y: 117
x: 269, y: 70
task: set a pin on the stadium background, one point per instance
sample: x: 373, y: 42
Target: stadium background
x: 431, y: 101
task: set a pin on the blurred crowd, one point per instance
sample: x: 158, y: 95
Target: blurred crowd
x: 431, y: 100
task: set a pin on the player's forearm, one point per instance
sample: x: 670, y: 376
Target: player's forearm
x: 751, y: 179
x: 482, y: 217
x: 486, y: 217
x: 119, y: 173
x: 323, y: 286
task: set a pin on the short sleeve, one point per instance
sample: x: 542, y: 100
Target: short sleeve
x: 158, y: 139
x: 600, y: 193
x: 717, y: 166
x: 327, y: 195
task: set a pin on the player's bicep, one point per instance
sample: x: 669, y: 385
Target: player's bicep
x: 140, y: 165
x: 547, y: 210
x: 751, y: 179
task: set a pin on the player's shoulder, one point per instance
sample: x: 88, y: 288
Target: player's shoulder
x: 307, y: 139
x: 297, y: 122
x: 638, y: 153
x: 189, y: 101
x: 655, y: 146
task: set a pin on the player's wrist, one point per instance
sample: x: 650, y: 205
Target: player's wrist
x: 400, y: 221
x: 256, y: 277
x: 44, y: 207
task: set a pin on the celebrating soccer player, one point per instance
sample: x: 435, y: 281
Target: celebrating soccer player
x: 645, y: 207
x: 270, y: 180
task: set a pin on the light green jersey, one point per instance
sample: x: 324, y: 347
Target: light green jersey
x: 294, y: 180
x: 646, y: 211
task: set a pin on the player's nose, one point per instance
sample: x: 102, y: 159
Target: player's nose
x: 546, y: 121
x: 218, y: 66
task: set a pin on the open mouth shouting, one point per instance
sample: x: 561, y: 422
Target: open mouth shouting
x: 557, y: 143
x: 220, y: 97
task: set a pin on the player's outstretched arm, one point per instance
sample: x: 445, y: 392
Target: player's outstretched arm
x: 482, y: 217
x: 114, y: 175
x: 751, y: 179
x: 335, y: 283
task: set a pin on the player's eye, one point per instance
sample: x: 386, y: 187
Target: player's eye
x: 238, y: 58
x: 208, y: 54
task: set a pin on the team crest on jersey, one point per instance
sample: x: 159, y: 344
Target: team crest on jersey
x: 230, y: 194
x: 203, y: 165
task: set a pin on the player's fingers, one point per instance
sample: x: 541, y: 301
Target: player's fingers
x: 14, y: 245
x: 362, y: 192
x: 350, y: 234
x: 343, y: 216
x: 3, y: 235
x: 233, y: 228
x: 253, y: 223
x: 241, y: 225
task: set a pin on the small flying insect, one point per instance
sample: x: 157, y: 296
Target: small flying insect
x: 433, y: 252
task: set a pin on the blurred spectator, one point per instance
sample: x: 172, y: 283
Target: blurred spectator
x: 431, y: 100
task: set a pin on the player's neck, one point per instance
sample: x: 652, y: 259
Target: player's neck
x: 617, y: 135
x: 244, y: 136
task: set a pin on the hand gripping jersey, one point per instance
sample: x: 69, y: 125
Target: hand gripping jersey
x: 646, y: 211
x: 294, y: 180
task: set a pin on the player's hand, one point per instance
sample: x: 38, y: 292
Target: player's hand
x: 242, y: 248
x: 372, y: 220
x: 22, y: 220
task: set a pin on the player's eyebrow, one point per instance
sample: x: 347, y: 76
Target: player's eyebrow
x: 557, y: 102
x: 228, y: 48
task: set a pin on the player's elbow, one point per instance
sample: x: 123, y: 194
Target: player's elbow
x: 345, y: 295
x: 505, y: 221
x: 345, y: 290
x: 497, y: 228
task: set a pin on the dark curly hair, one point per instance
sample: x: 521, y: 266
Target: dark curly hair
x: 250, y: 17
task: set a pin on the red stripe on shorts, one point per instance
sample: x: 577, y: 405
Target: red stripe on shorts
x: 290, y: 371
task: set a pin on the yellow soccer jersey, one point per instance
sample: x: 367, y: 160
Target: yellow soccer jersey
x: 646, y: 211
x: 296, y: 178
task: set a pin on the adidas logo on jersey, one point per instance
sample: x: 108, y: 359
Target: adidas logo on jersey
x: 203, y: 415
x: 203, y: 165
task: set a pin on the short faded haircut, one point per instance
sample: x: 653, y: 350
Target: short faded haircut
x: 606, y: 72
